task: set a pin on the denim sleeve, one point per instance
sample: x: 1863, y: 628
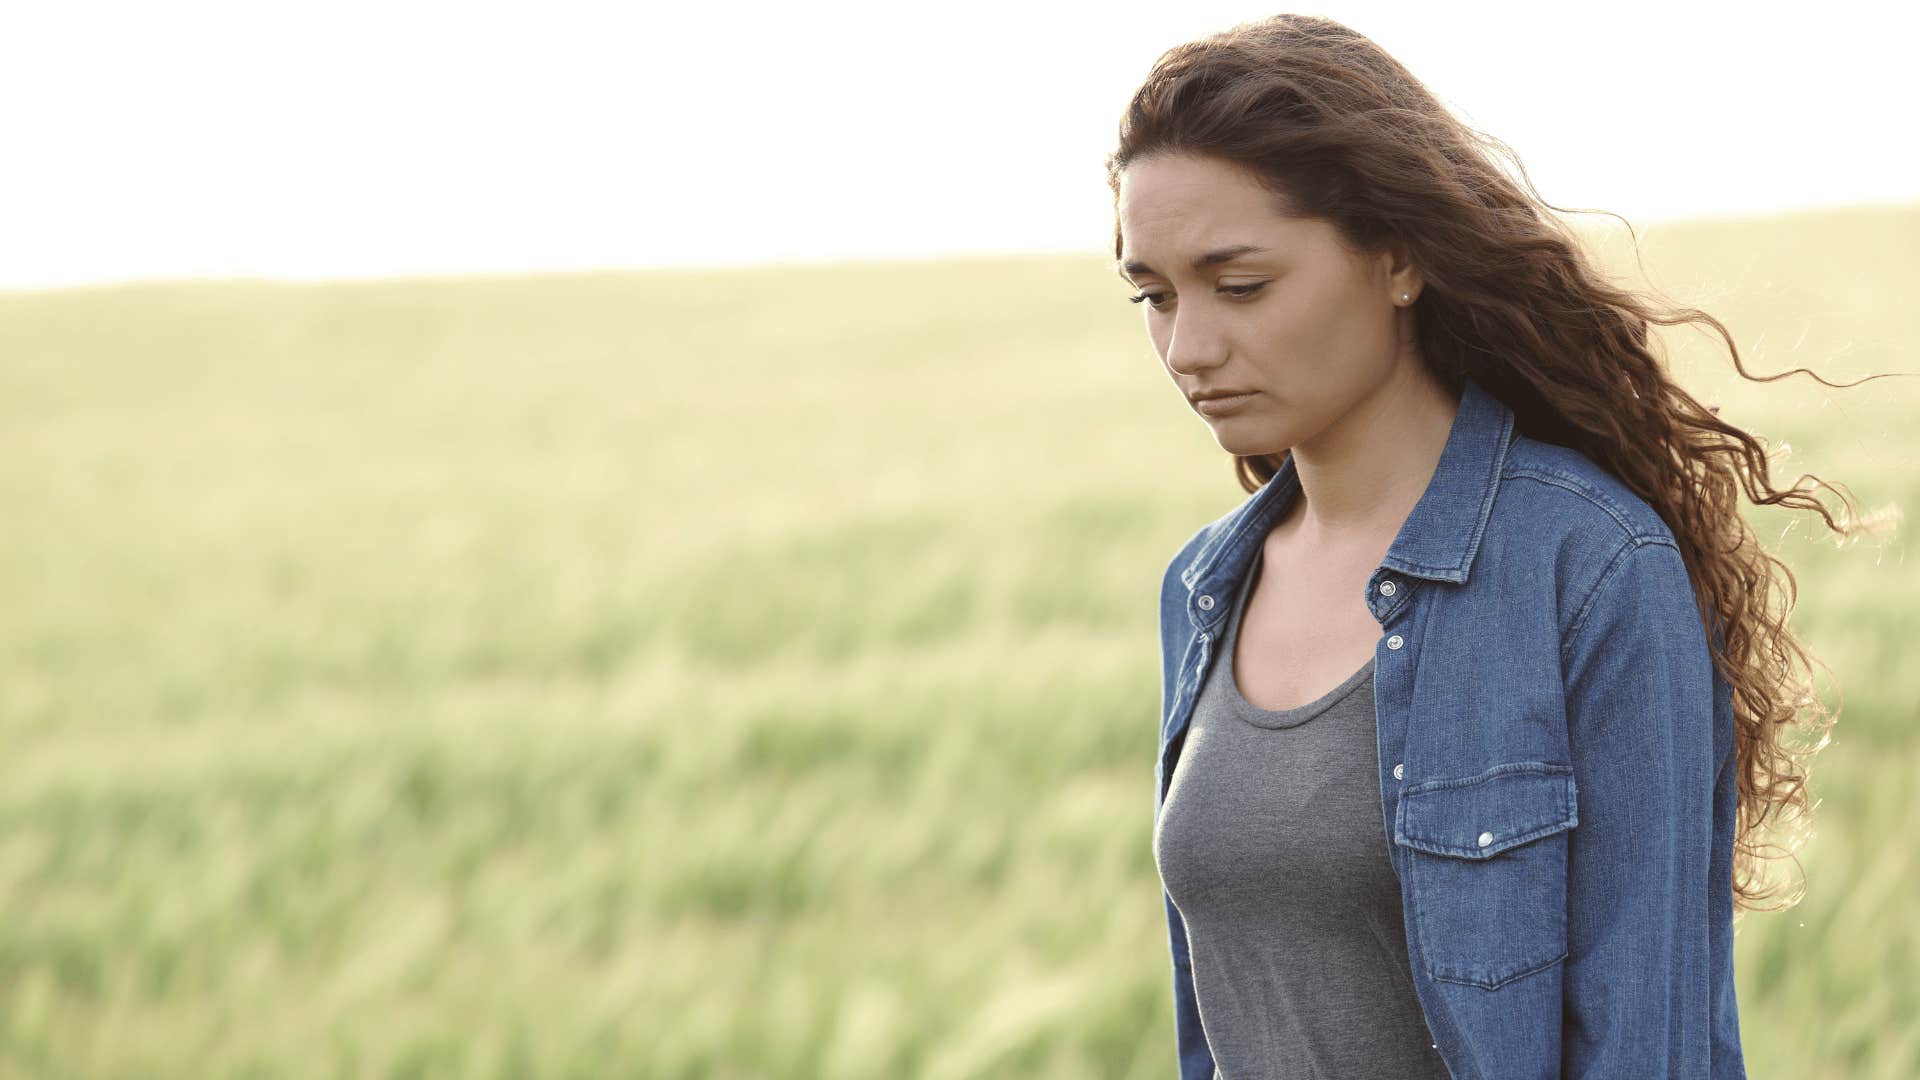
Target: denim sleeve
x: 1647, y: 983
x: 1190, y: 1041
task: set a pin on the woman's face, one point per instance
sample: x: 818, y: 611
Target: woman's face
x: 1279, y: 308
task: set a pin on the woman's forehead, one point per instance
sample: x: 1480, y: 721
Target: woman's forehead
x: 1163, y: 240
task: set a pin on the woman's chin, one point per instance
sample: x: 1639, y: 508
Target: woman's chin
x: 1245, y: 444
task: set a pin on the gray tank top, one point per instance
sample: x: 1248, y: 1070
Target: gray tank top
x: 1270, y: 843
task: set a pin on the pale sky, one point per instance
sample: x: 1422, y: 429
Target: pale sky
x: 350, y: 139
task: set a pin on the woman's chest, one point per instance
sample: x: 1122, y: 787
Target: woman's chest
x: 1303, y: 631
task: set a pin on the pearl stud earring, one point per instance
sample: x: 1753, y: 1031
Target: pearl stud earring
x: 1404, y: 297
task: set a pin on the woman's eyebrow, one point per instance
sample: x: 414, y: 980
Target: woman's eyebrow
x: 1211, y: 258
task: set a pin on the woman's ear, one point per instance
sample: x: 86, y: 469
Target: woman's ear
x: 1402, y: 275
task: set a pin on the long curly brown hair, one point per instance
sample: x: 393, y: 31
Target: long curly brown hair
x: 1339, y: 130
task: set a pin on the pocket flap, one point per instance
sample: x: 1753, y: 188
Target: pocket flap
x: 1478, y: 817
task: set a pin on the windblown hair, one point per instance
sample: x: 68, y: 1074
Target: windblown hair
x: 1338, y: 130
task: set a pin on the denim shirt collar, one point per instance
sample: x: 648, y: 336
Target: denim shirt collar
x: 1437, y: 541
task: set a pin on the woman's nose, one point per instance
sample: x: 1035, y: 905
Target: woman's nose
x: 1192, y: 345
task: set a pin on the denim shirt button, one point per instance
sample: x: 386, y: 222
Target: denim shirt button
x: 1206, y: 602
x: 1395, y: 642
x: 1399, y: 771
x: 1386, y: 588
x: 1486, y: 838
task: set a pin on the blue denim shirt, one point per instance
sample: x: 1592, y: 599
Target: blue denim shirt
x: 1555, y: 756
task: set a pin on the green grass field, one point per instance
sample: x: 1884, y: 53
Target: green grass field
x: 735, y: 674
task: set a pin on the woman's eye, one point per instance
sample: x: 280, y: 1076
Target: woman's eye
x: 1154, y: 300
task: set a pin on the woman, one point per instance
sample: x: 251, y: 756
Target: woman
x: 1469, y: 592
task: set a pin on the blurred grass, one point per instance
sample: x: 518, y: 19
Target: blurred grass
x: 732, y: 673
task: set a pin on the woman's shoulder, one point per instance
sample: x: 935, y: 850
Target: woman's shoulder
x: 1559, y: 492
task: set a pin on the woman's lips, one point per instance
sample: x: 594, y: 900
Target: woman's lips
x: 1219, y: 405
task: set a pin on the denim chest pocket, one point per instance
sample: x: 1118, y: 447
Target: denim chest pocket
x: 1486, y: 859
